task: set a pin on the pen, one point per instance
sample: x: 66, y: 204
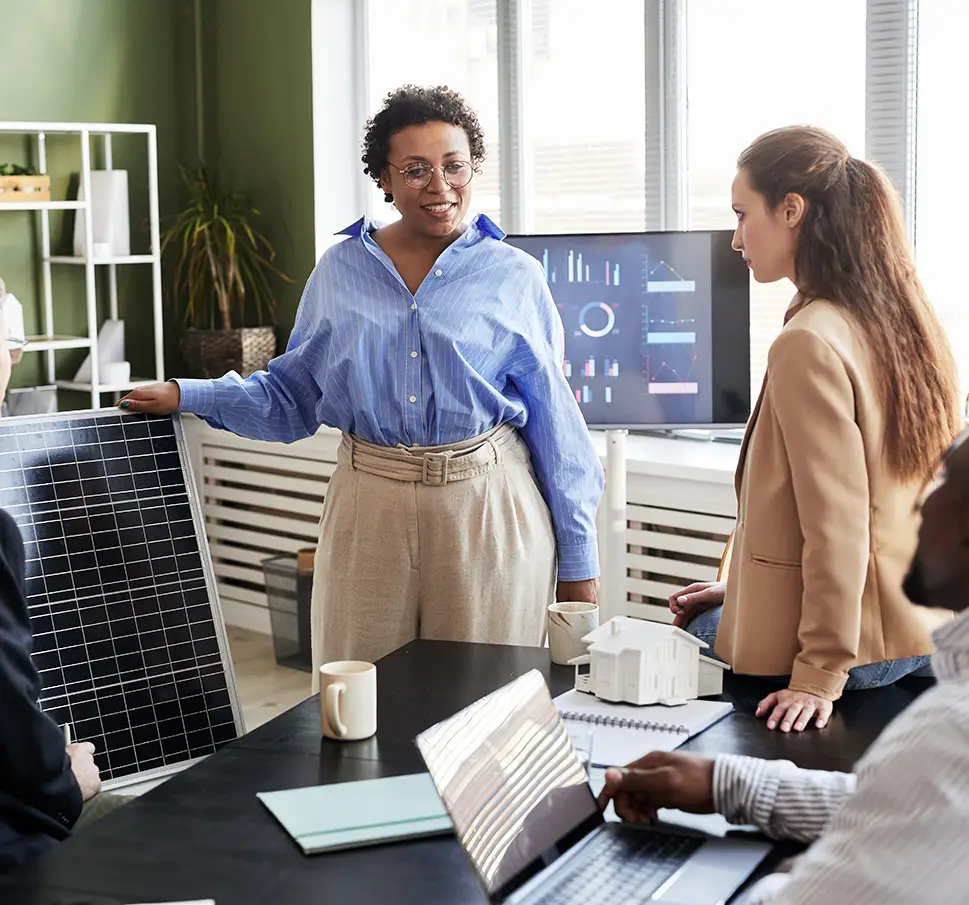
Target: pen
x: 67, y: 734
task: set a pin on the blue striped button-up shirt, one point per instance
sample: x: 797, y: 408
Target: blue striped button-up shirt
x: 480, y: 343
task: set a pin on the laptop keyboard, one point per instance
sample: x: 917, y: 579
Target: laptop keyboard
x: 620, y: 868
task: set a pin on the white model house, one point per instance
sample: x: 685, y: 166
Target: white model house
x: 639, y: 662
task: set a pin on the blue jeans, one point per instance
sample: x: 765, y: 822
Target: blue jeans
x: 871, y: 675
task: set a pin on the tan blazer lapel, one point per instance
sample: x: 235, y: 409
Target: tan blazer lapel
x: 796, y: 305
x: 742, y: 459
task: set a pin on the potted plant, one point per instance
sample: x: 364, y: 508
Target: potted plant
x: 221, y: 273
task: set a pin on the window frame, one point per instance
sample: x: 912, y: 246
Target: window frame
x: 891, y: 71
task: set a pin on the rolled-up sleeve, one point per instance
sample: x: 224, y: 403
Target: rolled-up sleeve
x: 281, y: 403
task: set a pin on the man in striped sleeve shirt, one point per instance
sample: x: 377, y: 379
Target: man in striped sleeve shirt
x: 896, y: 830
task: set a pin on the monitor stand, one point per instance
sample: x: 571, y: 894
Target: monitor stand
x: 612, y: 527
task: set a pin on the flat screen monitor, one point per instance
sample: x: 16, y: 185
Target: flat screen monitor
x: 657, y: 326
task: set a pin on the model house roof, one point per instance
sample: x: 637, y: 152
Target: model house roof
x: 624, y: 633
x: 711, y: 662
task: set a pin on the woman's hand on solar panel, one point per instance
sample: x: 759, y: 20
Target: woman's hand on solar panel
x: 84, y: 768
x: 791, y: 709
x: 688, y: 603
x: 153, y: 399
x: 662, y: 779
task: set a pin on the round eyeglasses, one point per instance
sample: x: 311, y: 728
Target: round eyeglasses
x: 457, y: 174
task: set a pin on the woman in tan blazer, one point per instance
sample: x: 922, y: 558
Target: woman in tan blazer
x: 858, y: 405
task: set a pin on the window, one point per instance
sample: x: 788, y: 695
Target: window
x: 439, y: 42
x: 943, y: 83
x: 752, y: 65
x: 575, y: 116
x: 586, y: 115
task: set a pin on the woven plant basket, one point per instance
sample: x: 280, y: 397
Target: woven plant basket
x: 212, y: 353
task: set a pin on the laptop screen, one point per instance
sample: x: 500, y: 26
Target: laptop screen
x: 508, y: 775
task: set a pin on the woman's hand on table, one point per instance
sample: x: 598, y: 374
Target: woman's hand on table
x: 789, y: 710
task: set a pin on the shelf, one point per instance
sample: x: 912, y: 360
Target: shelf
x: 25, y: 128
x: 95, y: 141
x: 106, y: 387
x: 44, y: 343
x: 130, y: 259
x: 43, y: 205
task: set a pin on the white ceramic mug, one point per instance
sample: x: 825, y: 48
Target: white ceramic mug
x: 568, y: 623
x: 348, y: 700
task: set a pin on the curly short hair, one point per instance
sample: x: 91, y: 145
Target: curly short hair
x: 411, y: 105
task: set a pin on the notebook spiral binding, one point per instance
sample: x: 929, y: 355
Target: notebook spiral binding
x: 621, y: 722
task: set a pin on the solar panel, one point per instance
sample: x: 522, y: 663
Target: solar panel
x: 128, y: 635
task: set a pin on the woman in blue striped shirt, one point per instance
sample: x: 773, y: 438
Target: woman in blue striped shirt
x: 465, y: 496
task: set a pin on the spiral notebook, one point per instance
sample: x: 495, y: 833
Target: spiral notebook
x: 624, y: 733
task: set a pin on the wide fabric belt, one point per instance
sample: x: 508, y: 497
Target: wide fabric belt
x: 435, y: 466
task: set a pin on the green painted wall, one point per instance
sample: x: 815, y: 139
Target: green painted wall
x: 91, y: 61
x: 135, y: 61
x: 259, y: 124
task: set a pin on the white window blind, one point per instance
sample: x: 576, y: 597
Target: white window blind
x: 586, y: 115
x: 891, y: 93
x: 440, y: 42
x: 754, y: 65
x: 943, y: 98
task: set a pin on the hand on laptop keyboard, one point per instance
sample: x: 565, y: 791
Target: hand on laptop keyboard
x: 663, y: 779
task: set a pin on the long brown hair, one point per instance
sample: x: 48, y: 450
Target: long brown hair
x: 852, y: 250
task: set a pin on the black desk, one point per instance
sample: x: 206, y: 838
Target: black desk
x: 203, y: 833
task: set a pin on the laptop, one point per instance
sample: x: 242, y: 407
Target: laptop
x: 523, y: 810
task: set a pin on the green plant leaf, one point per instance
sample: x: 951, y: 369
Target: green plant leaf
x: 220, y: 263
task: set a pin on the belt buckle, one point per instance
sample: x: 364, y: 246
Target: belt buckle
x: 435, y: 480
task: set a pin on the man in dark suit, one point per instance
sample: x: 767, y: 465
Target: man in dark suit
x: 43, y: 781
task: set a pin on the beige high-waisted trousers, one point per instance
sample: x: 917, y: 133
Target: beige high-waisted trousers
x: 447, y: 542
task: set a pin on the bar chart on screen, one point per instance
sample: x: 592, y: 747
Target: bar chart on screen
x: 573, y: 267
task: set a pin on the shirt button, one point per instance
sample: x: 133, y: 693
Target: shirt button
x: 413, y: 307
x: 413, y: 399
x: 438, y: 273
x: 413, y: 355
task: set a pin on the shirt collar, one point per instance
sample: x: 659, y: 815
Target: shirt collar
x: 480, y: 226
x: 951, y: 659
x: 486, y: 226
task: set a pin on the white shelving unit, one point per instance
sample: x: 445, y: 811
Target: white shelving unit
x: 49, y: 341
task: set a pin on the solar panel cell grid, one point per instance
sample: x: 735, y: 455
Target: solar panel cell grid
x: 129, y: 640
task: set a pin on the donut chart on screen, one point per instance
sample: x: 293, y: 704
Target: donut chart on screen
x: 592, y: 315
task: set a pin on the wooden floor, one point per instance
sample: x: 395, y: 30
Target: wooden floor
x: 265, y: 689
